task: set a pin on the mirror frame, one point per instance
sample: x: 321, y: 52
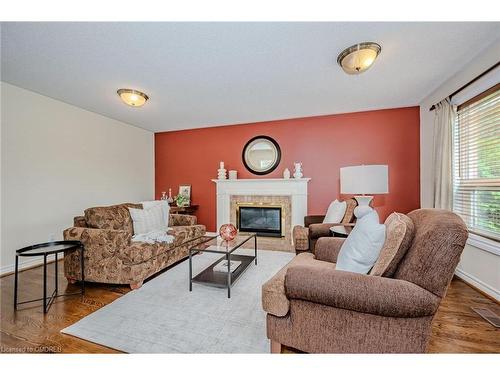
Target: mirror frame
x: 278, y: 156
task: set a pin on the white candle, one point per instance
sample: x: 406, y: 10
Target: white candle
x: 221, y: 165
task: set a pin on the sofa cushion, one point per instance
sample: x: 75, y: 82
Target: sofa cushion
x: 148, y: 220
x: 114, y: 217
x: 138, y: 252
x: 183, y: 234
x: 398, y: 236
x: 274, y: 300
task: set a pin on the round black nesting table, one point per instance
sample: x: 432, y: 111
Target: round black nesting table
x: 46, y: 249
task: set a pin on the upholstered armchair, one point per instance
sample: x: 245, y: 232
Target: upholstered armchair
x: 315, y: 308
x: 305, y: 237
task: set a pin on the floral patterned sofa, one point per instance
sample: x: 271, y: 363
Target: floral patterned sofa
x: 111, y: 257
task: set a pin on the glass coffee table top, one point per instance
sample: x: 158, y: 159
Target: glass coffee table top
x: 218, y: 245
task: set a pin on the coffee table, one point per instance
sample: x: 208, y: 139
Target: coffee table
x: 219, y: 246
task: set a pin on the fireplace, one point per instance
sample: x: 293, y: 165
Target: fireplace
x: 265, y: 220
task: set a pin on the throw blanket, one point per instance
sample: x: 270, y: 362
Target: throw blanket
x: 153, y: 237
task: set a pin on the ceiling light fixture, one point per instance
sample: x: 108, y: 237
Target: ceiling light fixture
x: 133, y: 98
x: 359, y: 57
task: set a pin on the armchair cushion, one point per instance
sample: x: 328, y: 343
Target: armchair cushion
x: 335, y: 212
x: 274, y: 300
x: 398, y: 236
x: 362, y: 248
x: 357, y: 292
x: 328, y: 248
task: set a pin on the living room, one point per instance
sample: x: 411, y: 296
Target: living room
x: 250, y: 187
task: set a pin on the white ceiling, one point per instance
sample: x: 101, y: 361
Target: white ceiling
x: 208, y: 74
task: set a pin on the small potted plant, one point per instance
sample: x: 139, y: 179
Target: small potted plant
x: 181, y: 200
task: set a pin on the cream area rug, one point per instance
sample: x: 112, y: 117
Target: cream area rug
x: 164, y: 317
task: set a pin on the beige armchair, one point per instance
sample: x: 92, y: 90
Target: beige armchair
x: 315, y: 308
x: 305, y: 237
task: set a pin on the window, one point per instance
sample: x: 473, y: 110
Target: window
x: 476, y: 182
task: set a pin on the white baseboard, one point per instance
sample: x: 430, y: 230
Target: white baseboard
x: 481, y: 285
x: 25, y: 263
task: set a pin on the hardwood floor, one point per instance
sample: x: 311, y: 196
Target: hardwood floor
x: 456, y: 328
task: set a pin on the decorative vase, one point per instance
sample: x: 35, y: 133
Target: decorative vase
x: 228, y: 232
x: 221, y: 172
x: 298, y: 170
x: 233, y: 175
x: 286, y: 174
x: 170, y: 199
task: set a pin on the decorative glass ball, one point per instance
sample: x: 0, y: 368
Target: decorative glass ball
x: 228, y: 232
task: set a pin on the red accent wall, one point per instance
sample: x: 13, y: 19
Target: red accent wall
x: 323, y: 144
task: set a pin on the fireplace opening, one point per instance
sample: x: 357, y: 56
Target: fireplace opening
x: 263, y: 220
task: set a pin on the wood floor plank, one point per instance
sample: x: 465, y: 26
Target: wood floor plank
x: 456, y: 327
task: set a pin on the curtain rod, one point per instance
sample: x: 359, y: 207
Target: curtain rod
x: 468, y: 83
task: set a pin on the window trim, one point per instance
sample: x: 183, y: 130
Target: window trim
x: 481, y: 241
x: 484, y: 243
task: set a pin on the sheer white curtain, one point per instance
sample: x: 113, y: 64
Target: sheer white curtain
x: 443, y: 154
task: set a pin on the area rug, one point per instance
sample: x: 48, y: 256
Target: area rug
x: 164, y: 317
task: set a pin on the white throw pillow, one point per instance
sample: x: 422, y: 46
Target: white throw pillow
x: 335, y: 212
x: 147, y: 220
x: 164, y: 205
x: 361, y: 249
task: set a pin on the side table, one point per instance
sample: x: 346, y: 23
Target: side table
x: 46, y: 249
x: 341, y: 230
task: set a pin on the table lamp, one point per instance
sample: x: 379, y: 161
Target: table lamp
x: 362, y: 180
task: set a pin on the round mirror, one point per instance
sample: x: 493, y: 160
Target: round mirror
x: 261, y: 155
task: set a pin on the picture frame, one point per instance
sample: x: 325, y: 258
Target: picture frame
x: 185, y: 190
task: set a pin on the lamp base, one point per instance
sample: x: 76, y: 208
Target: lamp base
x: 363, y: 207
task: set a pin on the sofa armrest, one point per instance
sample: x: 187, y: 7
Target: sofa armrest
x: 181, y: 220
x: 313, y: 219
x: 361, y: 293
x: 327, y: 248
x: 99, y: 243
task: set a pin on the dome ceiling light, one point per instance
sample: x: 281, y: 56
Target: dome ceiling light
x: 133, y: 98
x: 359, y: 57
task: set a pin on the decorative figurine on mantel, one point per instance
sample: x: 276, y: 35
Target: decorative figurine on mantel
x: 221, y: 172
x: 286, y: 174
x: 298, y: 170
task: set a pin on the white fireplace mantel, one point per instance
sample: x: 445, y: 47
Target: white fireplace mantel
x: 296, y: 188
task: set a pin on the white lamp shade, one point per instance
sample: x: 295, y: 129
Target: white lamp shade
x: 364, y: 179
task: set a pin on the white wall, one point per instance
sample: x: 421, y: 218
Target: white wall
x: 57, y: 160
x: 477, y: 266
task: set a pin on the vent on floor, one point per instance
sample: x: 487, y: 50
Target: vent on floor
x: 488, y: 315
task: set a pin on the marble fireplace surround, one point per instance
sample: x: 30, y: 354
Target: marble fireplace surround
x: 291, y: 194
